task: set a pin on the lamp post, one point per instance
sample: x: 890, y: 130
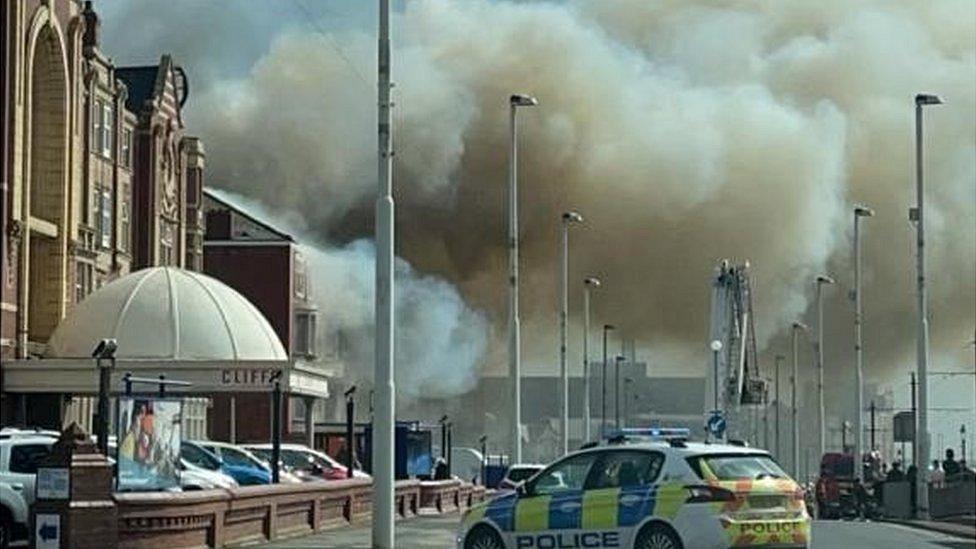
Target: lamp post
x: 797, y: 328
x: 603, y: 389
x: 104, y: 355
x: 616, y: 390
x: 922, y: 346
x: 627, y: 384
x: 514, y: 346
x: 588, y: 283
x: 385, y: 387
x: 821, y: 413
x: 568, y: 218
x: 716, y: 347
x: 779, y: 360
x: 859, y: 212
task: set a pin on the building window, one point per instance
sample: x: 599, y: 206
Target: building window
x: 301, y: 277
x: 83, y: 280
x: 107, y: 127
x: 126, y: 159
x: 98, y: 137
x: 105, y: 218
x: 304, y: 340
x: 125, y: 224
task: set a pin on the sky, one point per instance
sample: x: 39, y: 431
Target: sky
x: 685, y: 132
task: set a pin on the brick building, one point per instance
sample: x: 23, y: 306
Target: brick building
x: 235, y: 243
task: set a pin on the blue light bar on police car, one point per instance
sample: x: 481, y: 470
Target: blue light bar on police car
x: 653, y: 433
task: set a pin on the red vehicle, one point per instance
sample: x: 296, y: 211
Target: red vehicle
x: 835, y: 486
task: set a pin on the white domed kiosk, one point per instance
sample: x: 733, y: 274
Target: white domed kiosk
x: 165, y: 313
x: 181, y: 324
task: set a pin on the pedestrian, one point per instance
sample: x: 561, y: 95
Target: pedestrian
x: 937, y: 476
x: 950, y: 466
x: 912, y: 476
x: 895, y: 474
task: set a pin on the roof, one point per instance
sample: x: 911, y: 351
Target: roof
x: 246, y: 227
x: 141, y: 82
x: 166, y: 313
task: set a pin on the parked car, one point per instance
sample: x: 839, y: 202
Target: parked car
x: 233, y: 455
x: 517, y: 474
x: 20, y: 454
x: 195, y: 457
x: 303, y: 459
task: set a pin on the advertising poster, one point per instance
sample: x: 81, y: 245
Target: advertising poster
x: 148, y: 444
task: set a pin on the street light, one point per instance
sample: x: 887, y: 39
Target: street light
x: 628, y: 382
x: 797, y: 328
x: 922, y: 346
x: 568, y: 218
x: 821, y: 414
x: 859, y: 212
x: 779, y: 360
x: 616, y: 390
x: 716, y: 347
x: 603, y: 390
x: 588, y: 283
x: 104, y: 355
x: 514, y: 346
x: 383, y: 375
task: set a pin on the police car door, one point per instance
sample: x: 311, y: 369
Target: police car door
x: 548, y: 511
x: 619, y: 496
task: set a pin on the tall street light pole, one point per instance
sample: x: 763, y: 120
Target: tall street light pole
x: 922, y: 345
x: 383, y: 368
x: 821, y: 413
x: 514, y: 345
x: 616, y: 390
x: 779, y: 360
x: 568, y: 218
x: 588, y: 283
x: 603, y: 388
x: 859, y: 212
x: 797, y: 328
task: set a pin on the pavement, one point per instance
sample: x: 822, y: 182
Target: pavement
x: 964, y: 526
x: 437, y: 531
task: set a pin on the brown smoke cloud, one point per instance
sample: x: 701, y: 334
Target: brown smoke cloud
x: 684, y: 131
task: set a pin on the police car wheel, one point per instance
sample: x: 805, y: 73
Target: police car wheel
x: 483, y: 537
x: 657, y: 536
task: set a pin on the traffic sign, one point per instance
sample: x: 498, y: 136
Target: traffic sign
x: 716, y: 424
x: 47, y: 532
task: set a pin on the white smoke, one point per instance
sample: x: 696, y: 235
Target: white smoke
x: 440, y: 341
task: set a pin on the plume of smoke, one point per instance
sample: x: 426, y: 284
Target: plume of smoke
x: 685, y: 132
x: 440, y: 341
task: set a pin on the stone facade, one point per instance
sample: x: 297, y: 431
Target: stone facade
x: 98, y: 177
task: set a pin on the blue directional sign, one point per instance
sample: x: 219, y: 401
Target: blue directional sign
x: 716, y: 424
x: 47, y: 531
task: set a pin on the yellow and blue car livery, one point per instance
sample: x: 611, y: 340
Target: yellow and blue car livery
x: 686, y: 504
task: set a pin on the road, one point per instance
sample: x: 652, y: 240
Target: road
x: 432, y: 532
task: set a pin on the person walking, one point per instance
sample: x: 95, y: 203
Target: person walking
x: 937, y: 477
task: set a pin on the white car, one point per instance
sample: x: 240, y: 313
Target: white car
x: 647, y: 495
x: 20, y: 453
x: 302, y: 458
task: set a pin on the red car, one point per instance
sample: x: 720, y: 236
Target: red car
x: 306, y: 462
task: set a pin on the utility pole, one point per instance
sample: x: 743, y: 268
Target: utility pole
x: 616, y: 391
x: 779, y: 360
x: 915, y: 445
x: 514, y: 343
x: 821, y: 413
x: 872, y: 425
x: 383, y: 423
x: 603, y: 397
x: 859, y: 212
x: 567, y: 219
x: 797, y: 327
x: 590, y: 282
x: 922, y: 347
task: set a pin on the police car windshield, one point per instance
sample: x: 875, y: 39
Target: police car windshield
x: 518, y: 474
x: 735, y: 467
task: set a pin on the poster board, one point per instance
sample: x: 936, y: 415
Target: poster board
x: 149, y: 436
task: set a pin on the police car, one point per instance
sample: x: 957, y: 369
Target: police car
x: 648, y: 492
